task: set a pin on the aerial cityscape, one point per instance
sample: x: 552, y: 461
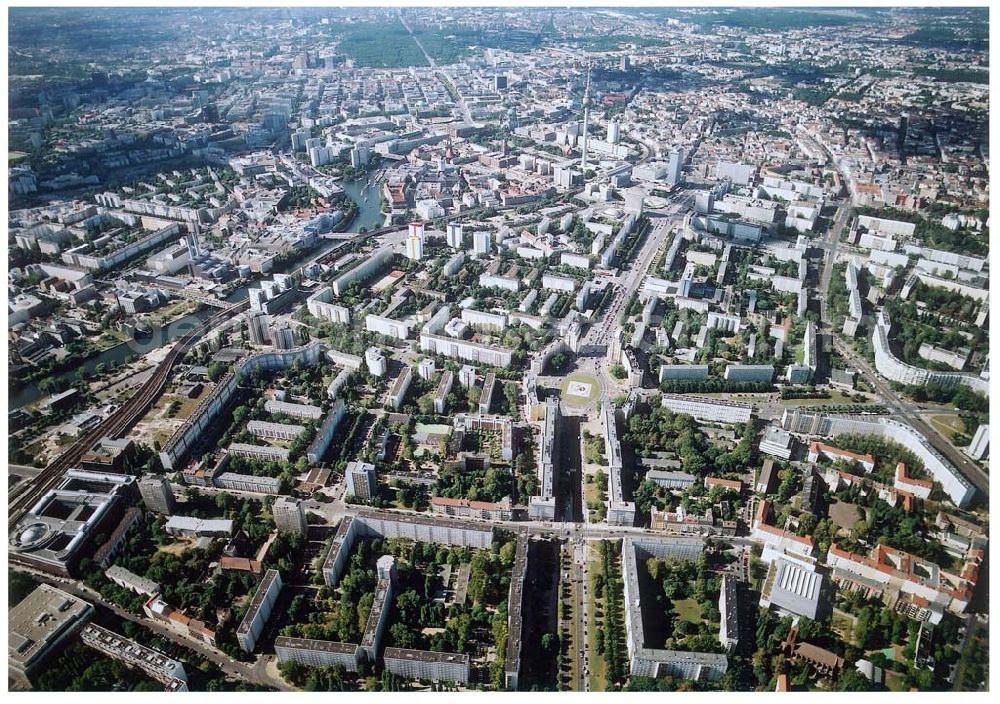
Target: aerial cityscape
x: 498, y: 349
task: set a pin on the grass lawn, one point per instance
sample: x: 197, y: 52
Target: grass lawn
x: 894, y: 681
x: 598, y: 667
x: 172, y: 311
x: 947, y: 425
x: 688, y: 610
x: 569, y: 636
x: 187, y: 404
x: 582, y: 377
x: 176, y: 548
x: 759, y: 397
x: 161, y: 436
x: 837, y: 398
x: 843, y: 625
x: 593, y: 494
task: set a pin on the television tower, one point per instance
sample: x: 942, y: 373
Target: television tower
x: 586, y: 120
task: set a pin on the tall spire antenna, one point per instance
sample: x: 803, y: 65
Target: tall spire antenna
x: 586, y: 119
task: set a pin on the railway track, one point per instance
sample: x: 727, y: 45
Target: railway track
x: 122, y: 419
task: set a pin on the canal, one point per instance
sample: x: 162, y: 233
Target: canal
x: 365, y: 192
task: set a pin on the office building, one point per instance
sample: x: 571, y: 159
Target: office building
x: 683, y: 372
x: 131, y: 581
x: 777, y: 442
x: 980, y: 445
x: 293, y: 410
x: 167, y: 671
x: 427, y: 665
x: 289, y: 515
x: 156, y: 494
x: 758, y: 373
x: 467, y: 351
x: 360, y: 479
x: 274, y: 431
x: 958, y: 488
x: 443, y: 531
x: 317, y: 653
x: 259, y: 611
x: 706, y: 409
x: 482, y: 243
x: 247, y: 482
x: 493, y: 322
x: 443, y: 389
x: 397, y: 329
x: 64, y: 525
x: 38, y: 625
x: 675, y: 165
x: 375, y: 361
x: 464, y: 508
x: 645, y: 661
x: 109, y: 455
x: 729, y: 614
x: 321, y: 306
x: 187, y: 527
x: 397, y: 393
x: 415, y: 241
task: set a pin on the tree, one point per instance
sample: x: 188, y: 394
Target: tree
x: 850, y: 680
x: 549, y: 643
x: 216, y: 370
x: 507, y: 554
x: 402, y: 635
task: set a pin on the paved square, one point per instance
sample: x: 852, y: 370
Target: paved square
x: 578, y: 388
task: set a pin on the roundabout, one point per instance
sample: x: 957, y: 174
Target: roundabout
x: 580, y: 389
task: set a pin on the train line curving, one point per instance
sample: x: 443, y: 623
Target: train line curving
x: 122, y: 419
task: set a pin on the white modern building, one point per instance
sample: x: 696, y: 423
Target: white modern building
x: 415, y: 241
x: 375, y: 360
x: 708, y: 409
x: 894, y: 369
x: 259, y: 611
x: 387, y: 326
x: 320, y: 305
x: 468, y: 351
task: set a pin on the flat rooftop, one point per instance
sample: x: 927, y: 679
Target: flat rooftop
x: 40, y: 620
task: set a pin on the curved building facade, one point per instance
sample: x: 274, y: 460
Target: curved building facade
x: 894, y: 369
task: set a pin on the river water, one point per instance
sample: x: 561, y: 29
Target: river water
x: 368, y: 217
